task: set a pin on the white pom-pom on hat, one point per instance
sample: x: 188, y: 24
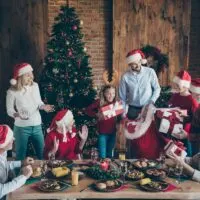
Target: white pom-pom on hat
x: 136, y: 56
x: 20, y: 70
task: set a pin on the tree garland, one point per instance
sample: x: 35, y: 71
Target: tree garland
x: 155, y: 59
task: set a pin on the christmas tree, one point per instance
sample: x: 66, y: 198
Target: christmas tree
x: 66, y: 80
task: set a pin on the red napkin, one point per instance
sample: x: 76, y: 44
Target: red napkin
x: 170, y: 188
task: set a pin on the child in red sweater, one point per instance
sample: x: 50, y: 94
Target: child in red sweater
x: 106, y: 128
x: 62, y: 141
x: 183, y: 100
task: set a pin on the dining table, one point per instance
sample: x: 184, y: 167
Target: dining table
x: 186, y: 189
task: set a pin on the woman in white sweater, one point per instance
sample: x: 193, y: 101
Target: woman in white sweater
x: 7, y: 167
x: 23, y: 102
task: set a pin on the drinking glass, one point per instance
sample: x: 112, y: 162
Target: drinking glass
x: 178, y: 172
x: 94, y: 154
x: 161, y: 159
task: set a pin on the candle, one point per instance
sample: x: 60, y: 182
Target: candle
x: 104, y: 165
x: 122, y: 156
x: 75, y: 175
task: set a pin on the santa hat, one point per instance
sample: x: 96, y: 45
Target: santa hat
x: 6, y: 135
x: 195, y: 86
x: 19, y: 70
x: 135, y: 56
x: 183, y: 79
x: 62, y: 119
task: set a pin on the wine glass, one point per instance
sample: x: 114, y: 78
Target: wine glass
x: 162, y: 159
x: 178, y: 172
x: 94, y: 154
x: 124, y: 170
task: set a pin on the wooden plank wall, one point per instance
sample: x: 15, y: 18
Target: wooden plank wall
x: 161, y: 23
x: 23, y: 36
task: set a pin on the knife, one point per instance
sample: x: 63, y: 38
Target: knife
x: 88, y: 187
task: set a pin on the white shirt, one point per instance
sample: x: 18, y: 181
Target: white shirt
x: 5, y: 168
x: 28, y: 101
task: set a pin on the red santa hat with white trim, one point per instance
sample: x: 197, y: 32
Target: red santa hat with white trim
x: 183, y: 79
x: 6, y: 135
x: 19, y: 70
x: 195, y: 86
x: 62, y: 119
x: 136, y: 56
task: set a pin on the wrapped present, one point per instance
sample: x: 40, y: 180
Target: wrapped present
x: 171, y: 147
x: 171, y: 121
x: 112, y: 110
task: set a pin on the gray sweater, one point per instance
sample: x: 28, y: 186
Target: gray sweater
x: 7, y: 167
x: 195, y: 163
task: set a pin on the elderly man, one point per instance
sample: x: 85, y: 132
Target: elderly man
x: 138, y: 90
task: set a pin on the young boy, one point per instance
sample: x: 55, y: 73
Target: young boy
x: 7, y: 167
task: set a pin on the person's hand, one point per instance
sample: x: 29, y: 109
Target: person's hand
x: 181, y: 135
x: 177, y: 159
x: 28, y: 161
x: 27, y: 171
x: 100, y: 116
x: 55, y: 146
x: 47, y: 108
x: 84, y: 133
x: 16, y: 115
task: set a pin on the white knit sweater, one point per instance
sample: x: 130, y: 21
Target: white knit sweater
x: 28, y: 100
x: 5, y: 168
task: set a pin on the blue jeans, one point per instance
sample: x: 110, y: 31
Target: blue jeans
x: 106, y: 143
x: 22, y: 135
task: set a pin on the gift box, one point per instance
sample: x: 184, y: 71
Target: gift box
x: 171, y: 147
x: 112, y: 110
x: 170, y: 121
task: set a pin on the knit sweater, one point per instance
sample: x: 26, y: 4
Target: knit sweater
x: 68, y: 150
x: 26, y: 100
x: 5, y: 168
x: 104, y: 126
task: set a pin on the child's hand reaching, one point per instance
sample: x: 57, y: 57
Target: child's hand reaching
x: 84, y: 133
x: 47, y: 108
x: 55, y: 146
x: 181, y: 135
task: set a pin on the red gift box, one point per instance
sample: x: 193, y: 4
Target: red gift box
x: 170, y: 121
x: 112, y: 110
x: 172, y: 147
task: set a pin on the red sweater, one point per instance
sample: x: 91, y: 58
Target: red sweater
x: 104, y: 126
x: 66, y: 150
x: 184, y: 102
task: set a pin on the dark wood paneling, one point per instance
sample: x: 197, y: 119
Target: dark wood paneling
x: 23, y: 36
x: 164, y: 24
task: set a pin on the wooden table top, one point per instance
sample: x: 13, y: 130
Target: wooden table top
x: 186, y: 190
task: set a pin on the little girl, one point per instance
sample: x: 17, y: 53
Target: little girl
x: 184, y: 100
x: 62, y: 141
x: 23, y: 103
x: 106, y: 128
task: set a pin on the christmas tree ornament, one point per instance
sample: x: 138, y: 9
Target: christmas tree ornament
x: 75, y: 80
x: 71, y: 94
x: 69, y: 65
x: 70, y: 53
x: 74, y: 27
x: 67, y: 42
x: 85, y: 49
x: 81, y: 22
x: 55, y: 70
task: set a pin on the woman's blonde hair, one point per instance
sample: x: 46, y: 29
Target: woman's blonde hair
x: 102, y: 94
x: 20, y: 83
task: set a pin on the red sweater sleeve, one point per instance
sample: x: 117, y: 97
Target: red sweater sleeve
x: 92, y: 109
x: 48, y: 145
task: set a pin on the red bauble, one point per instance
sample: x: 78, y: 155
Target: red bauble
x: 74, y: 27
x: 104, y: 165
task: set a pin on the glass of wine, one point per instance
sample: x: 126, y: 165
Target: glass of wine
x: 178, y: 172
x: 162, y: 159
